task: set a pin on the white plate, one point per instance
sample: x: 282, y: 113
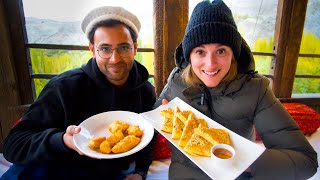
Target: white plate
x: 246, y: 151
x: 97, y: 125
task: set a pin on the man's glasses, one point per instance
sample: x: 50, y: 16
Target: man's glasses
x: 124, y: 50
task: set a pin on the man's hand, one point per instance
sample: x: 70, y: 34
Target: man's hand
x: 68, y: 137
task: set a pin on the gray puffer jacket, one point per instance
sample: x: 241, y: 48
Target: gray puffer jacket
x: 241, y: 105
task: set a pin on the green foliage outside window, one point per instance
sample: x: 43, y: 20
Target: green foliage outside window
x: 46, y: 61
x: 58, y: 61
x: 263, y: 63
x: 308, y: 66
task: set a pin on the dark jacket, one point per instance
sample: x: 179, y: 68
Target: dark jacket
x: 241, y: 105
x: 69, y: 99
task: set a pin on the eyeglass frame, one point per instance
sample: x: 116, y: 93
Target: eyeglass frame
x: 112, y: 50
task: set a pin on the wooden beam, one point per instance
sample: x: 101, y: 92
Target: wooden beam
x: 9, y: 86
x: 73, y: 47
x: 287, y: 40
x: 169, y: 27
x: 16, y: 23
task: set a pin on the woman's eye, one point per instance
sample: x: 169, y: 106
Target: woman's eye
x: 199, y: 52
x: 221, y: 51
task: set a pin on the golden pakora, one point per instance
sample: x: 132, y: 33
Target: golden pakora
x: 123, y: 138
x: 94, y: 143
x: 126, y: 144
x: 134, y: 130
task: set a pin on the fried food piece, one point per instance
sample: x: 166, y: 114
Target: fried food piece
x: 126, y: 144
x: 202, y: 122
x: 115, y: 138
x: 134, y: 130
x: 214, y: 135
x: 94, y: 143
x: 191, y: 124
x: 167, y: 125
x: 105, y: 147
x: 167, y: 113
x: 178, y: 125
x: 198, y: 146
x: 118, y: 125
x: 183, y: 116
x: 188, y: 130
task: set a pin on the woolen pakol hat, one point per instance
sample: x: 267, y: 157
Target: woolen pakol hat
x: 105, y: 13
x: 211, y: 23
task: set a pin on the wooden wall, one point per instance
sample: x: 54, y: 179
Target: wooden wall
x: 15, y: 83
x: 287, y: 39
x: 169, y: 30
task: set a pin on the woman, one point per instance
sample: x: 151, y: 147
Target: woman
x: 215, y: 74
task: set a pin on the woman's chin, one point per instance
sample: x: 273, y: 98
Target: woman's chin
x: 211, y: 84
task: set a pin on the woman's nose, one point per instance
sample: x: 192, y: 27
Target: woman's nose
x: 211, y: 59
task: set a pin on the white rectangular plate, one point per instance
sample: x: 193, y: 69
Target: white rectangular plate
x: 246, y: 151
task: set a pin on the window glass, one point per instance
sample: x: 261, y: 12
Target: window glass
x: 311, y: 32
x: 308, y: 66
x: 58, y: 21
x: 57, y: 61
x: 255, y: 20
x: 304, y: 87
x: 46, y: 61
x: 263, y: 64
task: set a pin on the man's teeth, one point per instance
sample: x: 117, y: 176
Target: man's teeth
x: 211, y: 73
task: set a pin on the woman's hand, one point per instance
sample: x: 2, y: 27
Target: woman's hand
x: 164, y: 102
x: 68, y: 137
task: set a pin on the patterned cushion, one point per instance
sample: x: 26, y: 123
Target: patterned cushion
x: 307, y: 118
x: 161, y: 148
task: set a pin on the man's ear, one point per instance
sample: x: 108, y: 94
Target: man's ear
x: 135, y: 47
x: 91, y: 47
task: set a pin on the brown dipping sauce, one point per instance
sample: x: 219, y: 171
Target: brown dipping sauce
x: 222, y: 153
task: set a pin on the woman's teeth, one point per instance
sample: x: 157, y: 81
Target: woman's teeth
x: 210, y: 72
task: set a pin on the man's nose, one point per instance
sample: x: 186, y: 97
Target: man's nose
x: 115, y: 57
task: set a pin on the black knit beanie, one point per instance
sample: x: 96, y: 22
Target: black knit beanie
x: 211, y: 23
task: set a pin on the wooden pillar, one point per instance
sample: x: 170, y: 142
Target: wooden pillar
x: 15, y: 81
x: 170, y: 19
x: 287, y: 40
x: 16, y: 23
x: 9, y: 94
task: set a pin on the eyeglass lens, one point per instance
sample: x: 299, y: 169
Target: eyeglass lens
x: 123, y: 51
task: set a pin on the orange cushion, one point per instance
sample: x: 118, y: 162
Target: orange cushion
x: 307, y: 118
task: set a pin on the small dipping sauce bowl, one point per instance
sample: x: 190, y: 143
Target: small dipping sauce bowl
x: 222, y: 153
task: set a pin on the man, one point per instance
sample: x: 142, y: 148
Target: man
x: 41, y: 145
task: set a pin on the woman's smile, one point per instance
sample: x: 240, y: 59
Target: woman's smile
x: 211, y: 73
